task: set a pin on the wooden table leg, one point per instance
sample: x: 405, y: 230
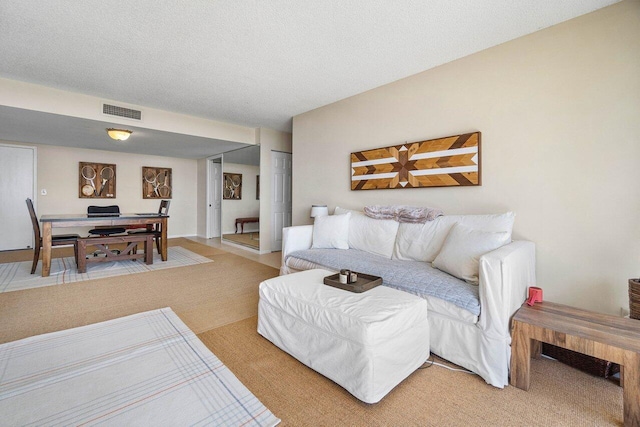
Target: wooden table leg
x: 163, y: 236
x: 520, y: 357
x: 46, y: 248
x: 631, y: 390
x: 148, y: 249
x: 82, y: 256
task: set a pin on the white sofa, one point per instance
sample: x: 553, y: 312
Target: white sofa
x: 478, y: 342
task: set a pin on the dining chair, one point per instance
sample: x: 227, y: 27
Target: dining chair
x: 156, y: 230
x: 104, y: 231
x: 56, y: 240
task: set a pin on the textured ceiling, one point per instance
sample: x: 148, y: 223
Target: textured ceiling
x: 255, y: 63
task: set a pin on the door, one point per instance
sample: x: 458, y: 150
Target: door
x: 281, y: 197
x: 17, y: 182
x: 215, y: 198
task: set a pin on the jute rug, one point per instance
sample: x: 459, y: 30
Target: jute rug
x: 559, y: 395
x: 204, y: 296
x: 15, y: 276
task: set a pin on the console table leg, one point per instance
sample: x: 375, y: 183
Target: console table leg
x: 520, y: 357
x: 631, y: 389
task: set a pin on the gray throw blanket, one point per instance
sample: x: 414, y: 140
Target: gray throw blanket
x: 415, y: 277
x: 409, y: 214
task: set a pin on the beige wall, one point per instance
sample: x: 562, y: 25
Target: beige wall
x: 559, y: 112
x: 58, y: 174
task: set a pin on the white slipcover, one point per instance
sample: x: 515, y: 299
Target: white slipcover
x: 483, y: 347
x: 366, y: 342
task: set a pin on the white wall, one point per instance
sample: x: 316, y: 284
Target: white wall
x: 248, y: 206
x: 58, y: 174
x: 559, y: 112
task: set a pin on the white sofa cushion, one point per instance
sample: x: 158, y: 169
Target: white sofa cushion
x: 331, y: 232
x: 463, y: 248
x: 376, y: 236
x: 422, y: 242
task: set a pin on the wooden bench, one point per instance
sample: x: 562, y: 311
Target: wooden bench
x: 129, y: 252
x: 243, y: 221
x: 606, y: 337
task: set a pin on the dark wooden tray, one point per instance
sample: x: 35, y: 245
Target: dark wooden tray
x: 364, y: 282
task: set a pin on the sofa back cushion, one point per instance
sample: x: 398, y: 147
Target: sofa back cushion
x: 376, y: 236
x: 423, y: 242
x: 463, y: 248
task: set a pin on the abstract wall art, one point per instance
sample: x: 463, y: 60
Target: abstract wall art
x: 443, y: 162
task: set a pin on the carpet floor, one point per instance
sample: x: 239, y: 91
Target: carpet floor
x: 204, y: 296
x: 435, y: 396
x: 218, y: 301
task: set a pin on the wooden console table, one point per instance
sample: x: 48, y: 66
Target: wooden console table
x: 243, y: 221
x: 606, y: 337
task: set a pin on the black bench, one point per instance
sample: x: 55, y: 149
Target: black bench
x: 129, y: 252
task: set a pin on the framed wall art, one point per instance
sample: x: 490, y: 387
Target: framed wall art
x: 443, y: 162
x: 232, y: 186
x: 156, y: 183
x: 96, y: 180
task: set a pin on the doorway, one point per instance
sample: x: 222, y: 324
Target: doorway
x: 214, y: 204
x: 280, y: 196
x: 18, y: 165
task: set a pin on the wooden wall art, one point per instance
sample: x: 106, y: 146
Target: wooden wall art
x: 96, y: 180
x: 232, y: 186
x: 442, y: 162
x: 156, y: 183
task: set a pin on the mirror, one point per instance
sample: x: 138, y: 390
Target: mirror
x: 240, y: 202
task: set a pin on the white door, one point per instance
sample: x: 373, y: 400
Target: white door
x: 215, y: 198
x: 281, y: 197
x: 17, y: 180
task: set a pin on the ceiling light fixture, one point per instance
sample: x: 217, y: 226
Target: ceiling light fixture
x: 119, y: 134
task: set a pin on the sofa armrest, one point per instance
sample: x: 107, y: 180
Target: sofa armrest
x: 505, y: 275
x: 295, y: 238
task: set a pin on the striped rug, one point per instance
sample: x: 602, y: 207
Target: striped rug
x: 143, y: 369
x: 15, y: 276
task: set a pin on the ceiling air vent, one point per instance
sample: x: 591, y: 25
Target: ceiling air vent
x: 127, y: 113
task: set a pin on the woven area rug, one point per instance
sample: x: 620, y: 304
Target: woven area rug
x: 15, y: 276
x: 145, y: 369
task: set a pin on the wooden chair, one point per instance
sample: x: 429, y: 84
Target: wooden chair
x: 156, y: 231
x: 57, y: 240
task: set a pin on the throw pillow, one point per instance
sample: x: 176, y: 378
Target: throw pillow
x: 423, y: 242
x: 331, y: 232
x: 376, y: 236
x: 463, y: 248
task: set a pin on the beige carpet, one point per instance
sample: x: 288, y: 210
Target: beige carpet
x: 205, y: 296
x: 218, y: 301
x: 559, y: 395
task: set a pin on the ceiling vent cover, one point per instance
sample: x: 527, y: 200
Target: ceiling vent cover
x: 128, y: 113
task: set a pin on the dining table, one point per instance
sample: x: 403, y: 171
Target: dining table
x: 49, y: 222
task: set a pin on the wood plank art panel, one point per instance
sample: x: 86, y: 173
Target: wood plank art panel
x: 156, y: 183
x: 442, y: 162
x: 232, y: 186
x: 96, y: 180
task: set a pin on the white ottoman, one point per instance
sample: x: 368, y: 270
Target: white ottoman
x: 367, y: 342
